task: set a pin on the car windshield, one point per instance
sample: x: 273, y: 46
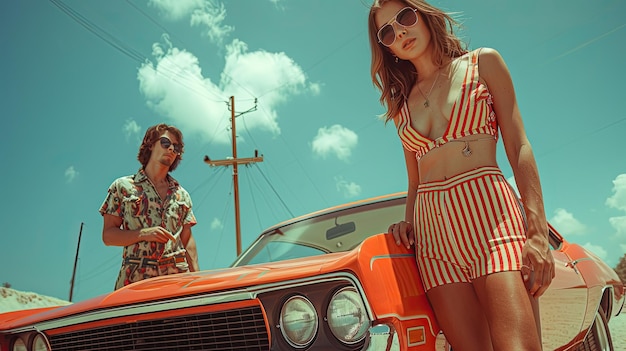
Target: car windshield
x: 324, y: 232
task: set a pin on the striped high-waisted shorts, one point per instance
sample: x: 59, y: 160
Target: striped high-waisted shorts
x: 468, y: 226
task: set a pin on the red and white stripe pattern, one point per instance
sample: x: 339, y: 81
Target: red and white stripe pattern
x: 472, y: 114
x: 468, y: 226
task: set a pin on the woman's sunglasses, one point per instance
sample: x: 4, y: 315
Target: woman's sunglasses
x: 407, y: 17
x: 166, y: 143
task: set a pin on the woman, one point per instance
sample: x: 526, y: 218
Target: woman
x: 484, y: 257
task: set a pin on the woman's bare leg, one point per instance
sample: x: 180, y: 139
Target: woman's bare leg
x: 510, y: 311
x: 461, y: 317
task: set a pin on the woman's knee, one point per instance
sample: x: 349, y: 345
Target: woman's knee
x: 460, y: 316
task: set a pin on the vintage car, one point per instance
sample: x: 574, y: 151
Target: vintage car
x: 329, y: 280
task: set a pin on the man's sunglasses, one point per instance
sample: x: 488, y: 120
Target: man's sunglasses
x: 166, y: 143
x: 407, y: 17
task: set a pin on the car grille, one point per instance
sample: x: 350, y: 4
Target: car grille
x: 241, y: 329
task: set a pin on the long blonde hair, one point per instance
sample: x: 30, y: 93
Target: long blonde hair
x: 395, y: 79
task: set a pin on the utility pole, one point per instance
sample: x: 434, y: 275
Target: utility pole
x: 234, y: 161
x: 80, y: 233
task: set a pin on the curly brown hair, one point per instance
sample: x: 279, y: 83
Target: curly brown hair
x: 152, y: 135
x: 395, y: 80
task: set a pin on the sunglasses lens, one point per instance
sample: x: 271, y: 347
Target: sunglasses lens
x: 386, y: 34
x: 166, y: 143
x: 407, y: 17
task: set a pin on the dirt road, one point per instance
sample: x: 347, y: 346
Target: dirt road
x: 617, y: 326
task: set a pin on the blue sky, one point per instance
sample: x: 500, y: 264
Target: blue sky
x: 80, y: 86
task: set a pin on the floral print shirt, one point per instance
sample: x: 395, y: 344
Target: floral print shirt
x: 136, y: 200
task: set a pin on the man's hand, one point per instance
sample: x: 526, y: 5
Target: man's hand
x: 158, y: 234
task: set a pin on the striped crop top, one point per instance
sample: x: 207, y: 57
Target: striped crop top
x: 472, y: 113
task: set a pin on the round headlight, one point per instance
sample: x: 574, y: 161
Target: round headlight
x: 347, y: 318
x: 40, y: 343
x: 19, y: 345
x: 298, y: 321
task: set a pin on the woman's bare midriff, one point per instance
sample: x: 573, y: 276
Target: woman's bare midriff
x: 448, y: 160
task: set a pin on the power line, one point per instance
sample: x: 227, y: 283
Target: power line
x: 222, y: 221
x: 162, y: 27
x: 175, y: 75
x: 132, y: 53
x: 324, y: 58
x: 234, y: 162
x: 275, y: 192
x: 254, y: 204
x: 215, y: 183
x: 578, y: 138
x: 99, y: 32
x: 297, y: 160
x: 154, y: 21
x: 137, y: 56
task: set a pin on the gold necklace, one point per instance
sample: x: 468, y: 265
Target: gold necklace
x: 426, y: 101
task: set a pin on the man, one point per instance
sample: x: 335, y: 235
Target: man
x: 149, y: 213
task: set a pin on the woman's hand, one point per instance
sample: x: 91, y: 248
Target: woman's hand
x: 536, y: 255
x: 402, y: 233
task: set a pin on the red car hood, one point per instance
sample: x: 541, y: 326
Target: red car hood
x: 172, y: 286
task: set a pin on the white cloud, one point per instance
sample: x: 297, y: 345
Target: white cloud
x: 618, y: 199
x: 216, y: 223
x: 210, y: 16
x: 174, y: 86
x: 566, y: 223
x: 597, y: 250
x: 274, y: 77
x: 176, y: 9
x: 336, y: 140
x: 348, y: 189
x: 619, y: 224
x: 131, y: 129
x: 70, y: 174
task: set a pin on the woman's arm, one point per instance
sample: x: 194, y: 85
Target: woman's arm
x: 403, y: 231
x: 536, y: 252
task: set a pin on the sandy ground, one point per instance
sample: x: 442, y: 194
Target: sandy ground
x: 617, y: 326
x: 13, y: 300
